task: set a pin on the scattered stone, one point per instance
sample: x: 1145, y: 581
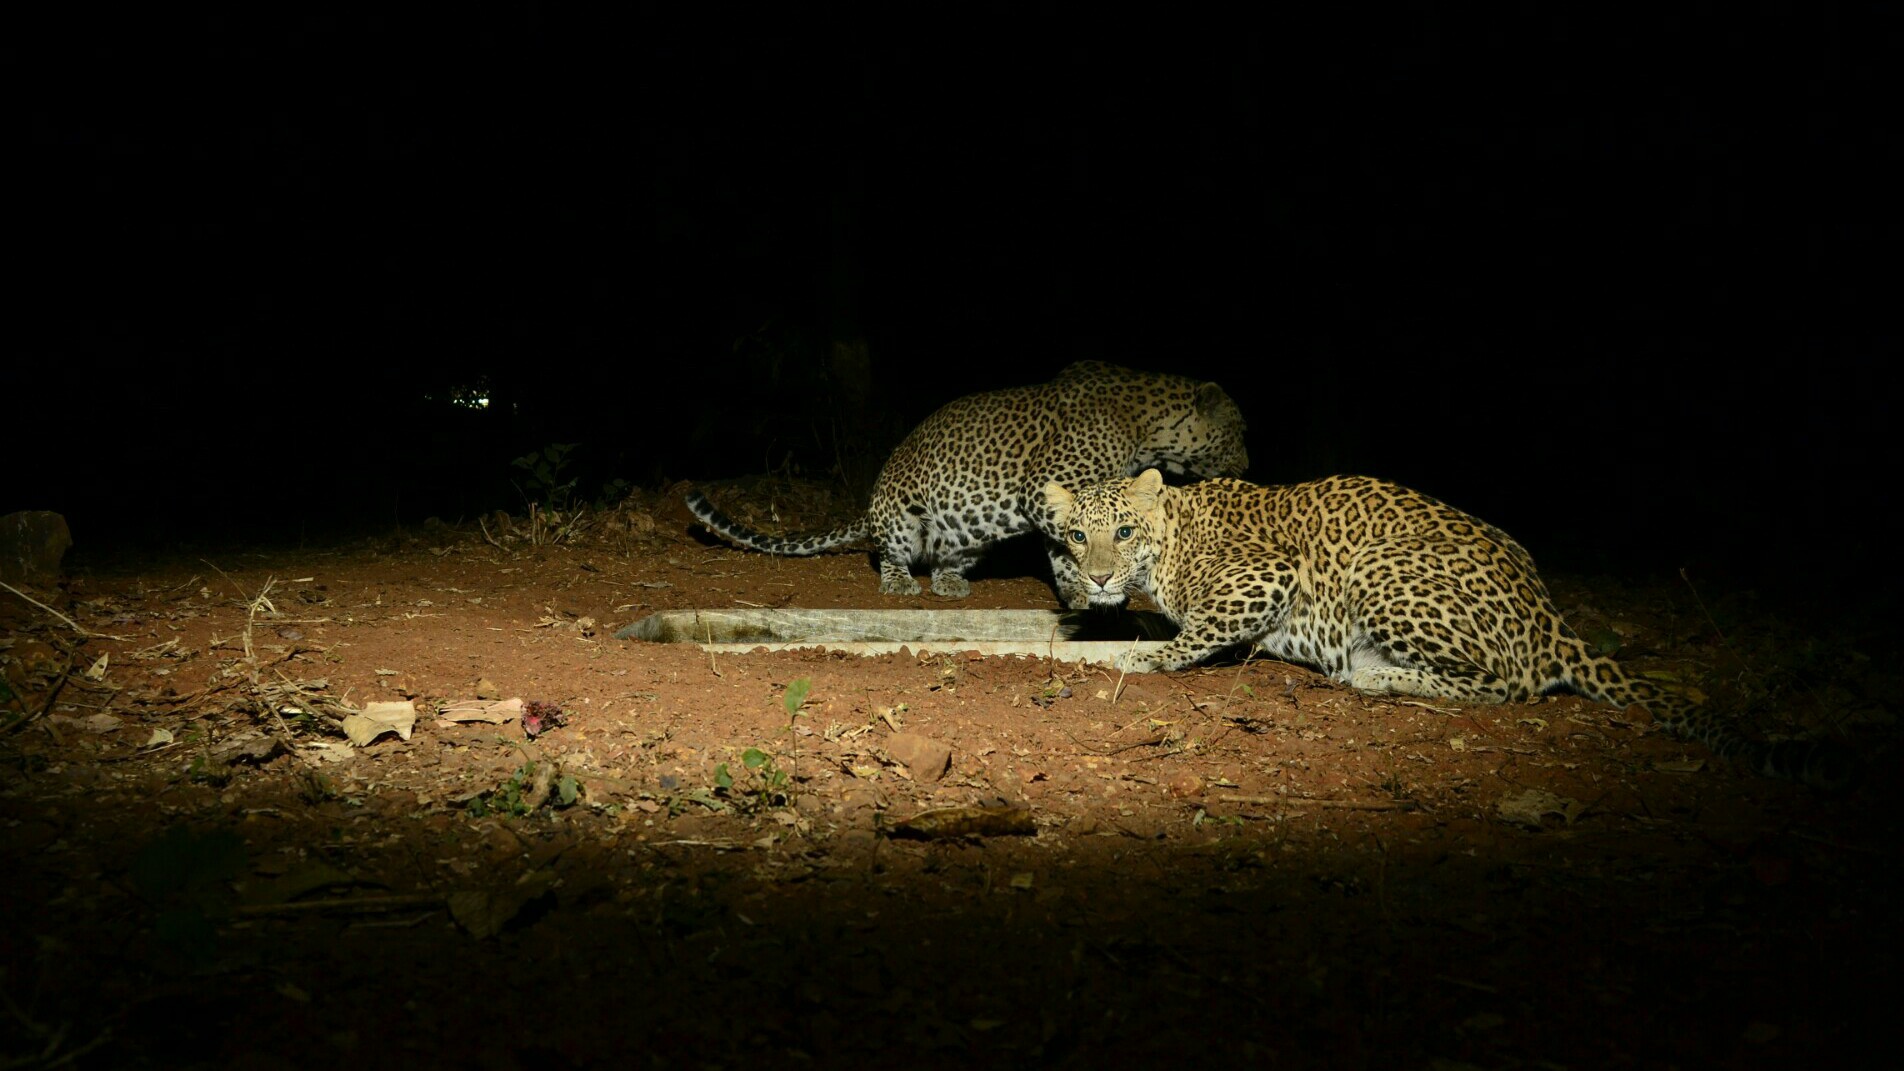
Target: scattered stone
x: 1184, y: 785
x: 926, y: 758
x: 32, y: 544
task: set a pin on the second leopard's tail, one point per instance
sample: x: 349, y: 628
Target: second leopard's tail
x: 742, y: 536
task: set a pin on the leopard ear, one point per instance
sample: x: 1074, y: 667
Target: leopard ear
x: 1213, y: 402
x: 1059, y: 500
x: 1145, y: 488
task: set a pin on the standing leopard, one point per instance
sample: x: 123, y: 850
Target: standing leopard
x: 969, y: 475
x: 1383, y: 588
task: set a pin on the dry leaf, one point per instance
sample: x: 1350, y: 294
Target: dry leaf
x: 1531, y: 806
x: 967, y: 821
x: 378, y: 719
x: 495, y: 712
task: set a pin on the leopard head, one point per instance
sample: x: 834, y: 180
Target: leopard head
x: 1111, y: 529
x: 1221, y: 428
x: 1207, y: 439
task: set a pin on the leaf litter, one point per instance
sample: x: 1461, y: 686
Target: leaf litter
x: 1290, y: 855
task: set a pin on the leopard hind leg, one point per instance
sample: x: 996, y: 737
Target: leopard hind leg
x: 952, y: 552
x: 902, y: 541
x: 1416, y: 633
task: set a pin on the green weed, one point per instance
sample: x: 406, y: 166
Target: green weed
x: 528, y: 789
x: 543, y: 471
x: 767, y: 786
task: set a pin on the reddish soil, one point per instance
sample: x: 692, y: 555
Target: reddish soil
x: 1243, y: 865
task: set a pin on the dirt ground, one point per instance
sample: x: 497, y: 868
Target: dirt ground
x: 706, y: 860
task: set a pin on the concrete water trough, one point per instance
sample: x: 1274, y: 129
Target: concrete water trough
x: 1069, y: 636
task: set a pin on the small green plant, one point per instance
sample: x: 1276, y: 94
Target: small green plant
x: 796, y: 696
x: 612, y: 493
x: 543, y: 472
x: 505, y: 800
x: 769, y: 787
x: 205, y: 771
x: 527, y: 789
x: 1053, y: 690
x: 550, y: 493
x: 678, y: 804
x: 316, y: 786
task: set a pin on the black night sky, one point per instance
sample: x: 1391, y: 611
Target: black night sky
x: 1623, y: 282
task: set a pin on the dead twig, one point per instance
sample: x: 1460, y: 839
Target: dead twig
x: 1702, y: 608
x: 252, y: 602
x: 52, y: 694
x: 1340, y: 805
x: 393, y: 902
x: 70, y: 623
x: 392, y: 924
x: 1478, y: 987
x: 1158, y: 737
x: 285, y: 736
x: 1452, y: 712
x: 1248, y: 657
x: 49, y: 1055
x: 1121, y: 670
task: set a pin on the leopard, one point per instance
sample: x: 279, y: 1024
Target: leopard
x: 1382, y: 588
x: 968, y: 476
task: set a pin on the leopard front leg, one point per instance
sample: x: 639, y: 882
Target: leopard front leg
x: 950, y: 583
x: 895, y: 576
x: 1236, y: 606
x: 948, y: 572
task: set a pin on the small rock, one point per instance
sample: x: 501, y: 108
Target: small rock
x: 32, y: 544
x: 1184, y: 785
x: 925, y: 757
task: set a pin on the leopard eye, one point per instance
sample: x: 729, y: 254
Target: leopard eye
x: 1124, y: 532
x: 1077, y: 535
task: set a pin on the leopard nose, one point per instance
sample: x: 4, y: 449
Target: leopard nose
x: 1100, y: 579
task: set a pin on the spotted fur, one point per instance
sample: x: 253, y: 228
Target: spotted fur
x: 1383, y: 588
x: 969, y: 475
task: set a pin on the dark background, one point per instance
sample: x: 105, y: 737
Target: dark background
x: 1624, y: 284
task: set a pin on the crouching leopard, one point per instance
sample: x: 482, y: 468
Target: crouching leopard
x: 1383, y: 588
x: 969, y: 475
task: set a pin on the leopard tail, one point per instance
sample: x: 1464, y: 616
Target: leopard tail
x: 742, y: 536
x: 1821, y: 764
